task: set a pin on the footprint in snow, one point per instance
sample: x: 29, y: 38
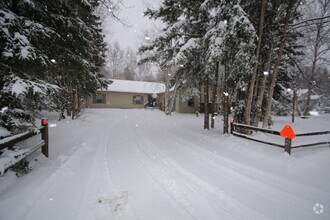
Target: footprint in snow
x: 117, y: 204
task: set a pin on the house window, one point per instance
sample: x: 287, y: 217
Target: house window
x: 99, y: 98
x: 191, y: 102
x: 138, y: 100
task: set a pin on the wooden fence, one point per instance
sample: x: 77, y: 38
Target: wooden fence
x: 240, y: 130
x: 15, y: 157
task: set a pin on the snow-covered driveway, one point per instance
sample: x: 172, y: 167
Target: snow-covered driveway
x: 141, y: 164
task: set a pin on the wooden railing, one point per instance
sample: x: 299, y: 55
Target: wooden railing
x: 240, y: 130
x: 6, y: 161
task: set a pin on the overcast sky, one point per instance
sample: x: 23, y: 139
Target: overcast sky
x: 132, y: 14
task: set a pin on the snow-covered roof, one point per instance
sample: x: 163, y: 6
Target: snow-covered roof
x: 136, y: 87
x: 315, y: 97
x: 302, y: 91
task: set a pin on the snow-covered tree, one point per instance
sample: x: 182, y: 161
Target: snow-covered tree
x: 48, y: 48
x: 200, y: 35
x: 231, y: 38
x: 315, y: 24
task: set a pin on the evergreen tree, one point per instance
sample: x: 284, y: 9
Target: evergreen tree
x: 199, y: 35
x: 51, y: 50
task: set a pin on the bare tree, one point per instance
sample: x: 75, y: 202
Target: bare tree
x: 130, y: 64
x: 115, y: 60
x: 317, y: 43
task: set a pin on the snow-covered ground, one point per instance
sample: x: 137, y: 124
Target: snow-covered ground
x: 141, y: 164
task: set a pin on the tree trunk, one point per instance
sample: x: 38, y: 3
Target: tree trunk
x: 255, y: 69
x: 172, y: 98
x: 308, y: 100
x: 73, y: 104
x: 206, y: 105
x: 166, y: 109
x: 263, y: 87
x: 225, y: 103
x: 214, y: 95
x: 79, y: 100
x: 276, y: 69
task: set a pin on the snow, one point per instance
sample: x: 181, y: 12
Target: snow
x: 188, y: 45
x: 9, y: 157
x: 20, y: 86
x: 6, y: 16
x: 4, y: 132
x: 141, y: 164
x: 8, y: 139
x: 136, y: 87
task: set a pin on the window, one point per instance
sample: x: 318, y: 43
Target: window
x: 138, y: 100
x: 99, y: 98
x: 191, y: 102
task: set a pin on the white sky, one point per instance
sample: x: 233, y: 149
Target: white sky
x: 132, y: 13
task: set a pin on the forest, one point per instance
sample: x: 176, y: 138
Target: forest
x: 254, y: 54
x: 248, y: 58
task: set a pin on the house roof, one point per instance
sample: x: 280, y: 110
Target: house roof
x: 315, y: 97
x: 301, y: 92
x: 136, y: 87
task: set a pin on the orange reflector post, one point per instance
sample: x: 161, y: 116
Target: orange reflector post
x: 44, y: 122
x: 287, y: 132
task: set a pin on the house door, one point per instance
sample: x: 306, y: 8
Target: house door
x: 151, y: 101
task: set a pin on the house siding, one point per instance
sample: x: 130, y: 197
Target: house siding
x: 161, y: 101
x: 119, y: 94
x: 182, y: 106
x: 117, y: 100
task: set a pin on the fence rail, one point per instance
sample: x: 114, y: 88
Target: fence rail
x: 9, y: 160
x: 287, y: 142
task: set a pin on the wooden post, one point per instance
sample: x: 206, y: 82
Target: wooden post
x: 293, y: 103
x: 44, y: 136
x: 231, y: 126
x: 287, y: 145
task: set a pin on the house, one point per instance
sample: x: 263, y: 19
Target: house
x: 317, y: 102
x: 126, y: 94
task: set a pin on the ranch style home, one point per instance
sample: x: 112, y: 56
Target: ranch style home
x: 317, y: 102
x: 126, y: 94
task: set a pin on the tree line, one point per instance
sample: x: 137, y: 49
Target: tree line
x: 123, y: 64
x: 246, y: 52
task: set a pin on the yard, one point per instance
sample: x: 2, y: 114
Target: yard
x: 141, y: 164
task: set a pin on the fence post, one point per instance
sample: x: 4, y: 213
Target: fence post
x: 44, y: 136
x: 287, y: 145
x: 231, y: 126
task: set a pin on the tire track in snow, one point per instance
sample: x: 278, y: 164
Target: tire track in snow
x: 191, y: 191
x: 248, y: 179
x: 102, y: 199
x: 158, y: 173
x: 219, y: 199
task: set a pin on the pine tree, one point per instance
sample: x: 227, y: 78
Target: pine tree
x: 50, y: 49
x: 201, y: 34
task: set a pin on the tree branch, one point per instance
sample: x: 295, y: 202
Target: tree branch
x: 308, y: 20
